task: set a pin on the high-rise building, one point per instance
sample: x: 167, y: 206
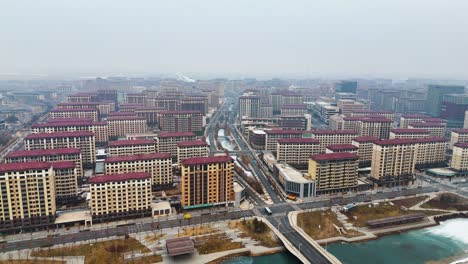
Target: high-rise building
x: 460, y: 158
x: 334, y: 172
x: 83, y: 140
x: 159, y: 165
x: 66, y: 181
x: 458, y: 136
x: 337, y: 148
x: 365, y: 146
x: 296, y: 151
x: 181, y: 121
x: 99, y: 129
x: 131, y: 147
x: 207, y: 181
x: 118, y: 196
x: 272, y: 136
x: 333, y: 137
x: 409, y: 133
x: 293, y: 110
x: 411, y: 118
x: 190, y: 149
x: 82, y: 113
x: 28, y: 195
x: 249, y: 106
x: 120, y: 126
x: 167, y: 142
x: 435, y: 129
x: 346, y: 87
x: 435, y: 95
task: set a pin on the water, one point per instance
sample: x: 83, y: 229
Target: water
x: 450, y: 239
x: 225, y: 141
x: 433, y: 244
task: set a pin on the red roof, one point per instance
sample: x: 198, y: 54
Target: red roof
x: 121, y: 114
x: 42, y: 152
x: 136, y: 157
x: 368, y: 119
x: 334, y: 156
x: 434, y: 120
x: 337, y: 147
x: 74, y: 110
x: 334, y: 132
x: 192, y: 143
x: 409, y: 131
x: 175, y: 134
x: 283, y: 131
x: 180, y: 112
x: 366, y: 139
x: 24, y: 166
x: 131, y: 142
x: 460, y: 130
x: 81, y: 122
x: 68, y: 120
x: 63, y: 165
x: 405, y: 141
x: 206, y: 160
x: 121, y: 118
x: 298, y: 141
x: 421, y: 124
x: 60, y: 135
x: 78, y: 103
x: 120, y: 177
x: 462, y: 145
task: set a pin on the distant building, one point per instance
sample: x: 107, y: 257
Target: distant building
x: 120, y: 126
x: 99, y: 129
x: 435, y: 129
x: 181, y: 121
x: 82, y: 113
x: 132, y: 147
x: 435, y: 94
x: 167, y: 142
x: 249, y: 106
x: 333, y: 137
x: 346, y: 87
x: 409, y: 133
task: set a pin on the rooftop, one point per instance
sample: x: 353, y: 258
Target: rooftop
x: 136, y: 157
x: 79, y: 122
x: 298, y: 141
x: 206, y: 160
x: 337, y: 147
x: 462, y: 145
x: 175, y: 134
x: 24, y: 166
x: 192, y: 143
x: 422, y: 124
x: 403, y: 141
x: 121, y: 118
x: 69, y: 120
x: 366, y: 139
x: 74, y: 110
x: 334, y: 156
x: 63, y: 164
x: 60, y: 135
x: 42, y: 152
x: 334, y: 132
x: 131, y: 142
x: 291, y: 173
x: 78, y: 103
x: 119, y: 177
x: 409, y: 131
x: 460, y: 130
x: 180, y: 112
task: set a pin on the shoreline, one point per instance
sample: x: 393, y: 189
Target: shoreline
x: 247, y: 254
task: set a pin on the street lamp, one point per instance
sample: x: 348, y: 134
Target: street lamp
x: 300, y: 244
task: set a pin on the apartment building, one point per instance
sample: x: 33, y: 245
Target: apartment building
x: 266, y: 111
x: 131, y: 147
x: 372, y: 113
x: 272, y: 136
x: 249, y: 106
x: 296, y: 151
x: 28, y: 195
x: 66, y: 181
x: 104, y: 107
x: 190, y: 149
x: 207, y: 181
x: 48, y: 155
x: 165, y: 102
x: 435, y: 129
x: 432, y: 152
x: 99, y: 129
x: 83, y: 140
x: 293, y: 110
x: 86, y: 113
x: 334, y: 172
x: 393, y: 161
x: 375, y: 127
x: 365, y: 146
x: 167, y: 142
x: 347, y: 106
x: 301, y: 122
x: 333, y: 137
x: 159, y: 165
x: 337, y: 148
x: 194, y: 103
x: 149, y: 113
x: 181, y: 121
x: 409, y: 133
x: 460, y: 158
x: 405, y: 120
x: 120, y: 196
x: 135, y: 98
x: 120, y: 126
x: 82, y: 97
x: 458, y: 136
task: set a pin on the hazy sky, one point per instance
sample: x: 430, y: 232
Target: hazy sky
x: 351, y: 38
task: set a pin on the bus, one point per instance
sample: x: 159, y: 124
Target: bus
x: 268, y: 211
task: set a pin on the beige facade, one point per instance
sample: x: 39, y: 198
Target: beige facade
x: 349, y: 106
x: 374, y: 127
x: 131, y: 147
x: 435, y: 129
x: 120, y: 196
x: 99, y: 129
x: 120, y: 126
x: 167, y: 142
x: 190, y: 149
x: 66, y: 181
x: 207, y: 181
x: 365, y: 146
x: 405, y: 120
x: 272, y: 136
x: 432, y: 152
x: 181, y: 121
x: 460, y: 158
x: 48, y: 155
x: 296, y: 151
x: 28, y: 195
x: 458, y: 136
x: 83, y: 140
x: 81, y: 113
x: 159, y: 165
x: 293, y: 110
x: 334, y: 172
x: 333, y: 137
x: 373, y: 113
x: 409, y: 133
